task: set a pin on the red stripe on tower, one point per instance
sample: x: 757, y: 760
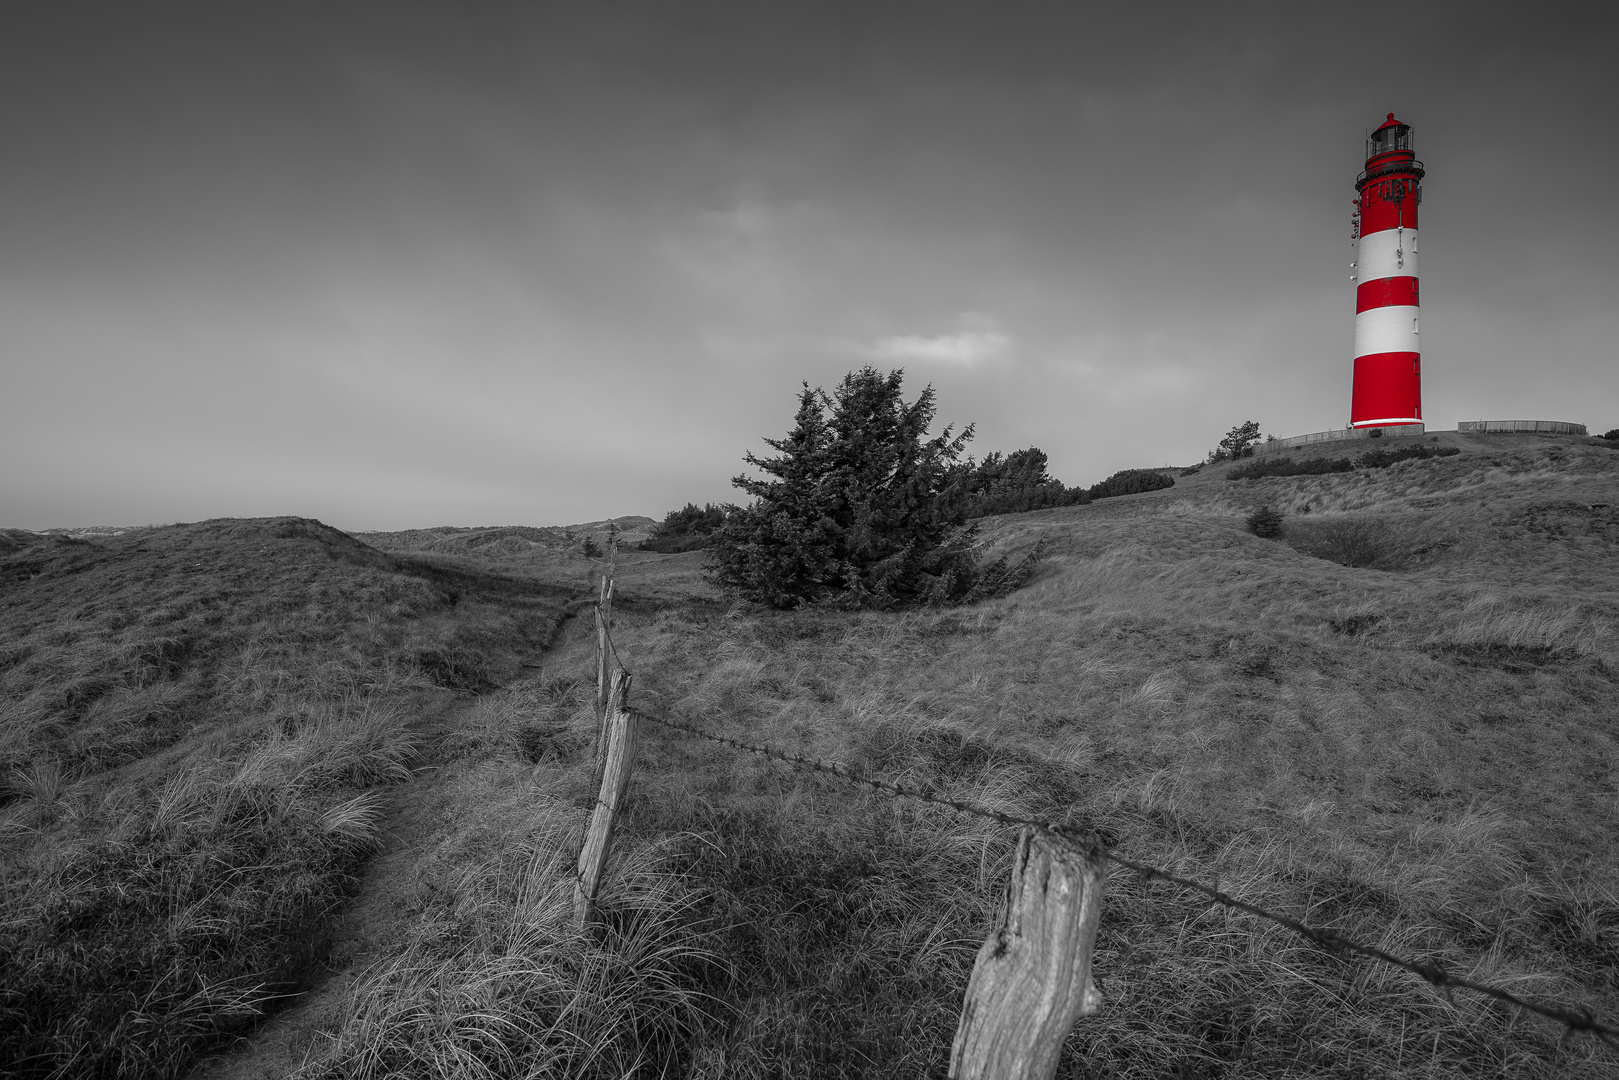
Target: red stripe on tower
x: 1388, y: 356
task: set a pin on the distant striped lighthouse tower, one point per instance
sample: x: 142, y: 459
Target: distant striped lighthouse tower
x: 1388, y: 353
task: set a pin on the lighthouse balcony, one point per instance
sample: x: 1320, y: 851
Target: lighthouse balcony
x: 1409, y: 166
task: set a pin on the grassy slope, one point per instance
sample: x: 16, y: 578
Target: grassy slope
x: 1419, y: 752
x: 195, y: 724
x: 1440, y: 780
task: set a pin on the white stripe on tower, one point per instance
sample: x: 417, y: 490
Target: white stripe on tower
x: 1387, y: 329
x: 1378, y: 256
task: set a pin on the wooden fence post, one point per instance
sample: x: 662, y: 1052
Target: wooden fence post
x: 1032, y: 980
x: 604, y: 674
x: 604, y: 611
x: 621, y: 736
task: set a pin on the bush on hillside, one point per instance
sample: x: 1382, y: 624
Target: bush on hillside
x: 1288, y: 467
x: 1266, y: 522
x: 1372, y: 459
x: 1130, y: 482
x: 1382, y: 459
x: 1352, y: 541
x: 1014, y: 484
x: 1612, y: 435
x: 859, y: 509
x: 687, y: 529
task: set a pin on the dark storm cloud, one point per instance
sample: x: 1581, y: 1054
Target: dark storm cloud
x: 397, y: 264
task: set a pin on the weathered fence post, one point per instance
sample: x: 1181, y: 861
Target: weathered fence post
x: 604, y: 673
x: 617, y: 760
x: 604, y: 611
x: 1032, y: 980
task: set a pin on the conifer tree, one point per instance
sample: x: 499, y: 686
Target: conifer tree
x: 858, y: 507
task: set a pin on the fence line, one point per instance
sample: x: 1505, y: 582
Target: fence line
x: 619, y: 737
x: 1394, y: 431
x: 1090, y: 841
x: 1555, y: 427
x: 1326, y: 938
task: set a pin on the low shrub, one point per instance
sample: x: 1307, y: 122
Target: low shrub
x: 687, y: 529
x: 1266, y: 522
x: 1382, y: 459
x: 1352, y: 541
x: 1612, y: 434
x: 1130, y: 482
x: 1288, y: 467
x: 1021, y: 500
x: 1191, y: 470
x: 1372, y: 459
x: 1014, y: 484
x: 674, y: 545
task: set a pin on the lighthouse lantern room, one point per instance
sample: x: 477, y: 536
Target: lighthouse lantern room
x: 1388, y: 355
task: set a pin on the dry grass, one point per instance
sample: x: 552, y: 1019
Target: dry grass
x: 1419, y: 755
x: 496, y: 981
x: 1418, y: 752
x: 196, y: 723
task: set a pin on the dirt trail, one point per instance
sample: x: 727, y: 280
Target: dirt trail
x: 360, y: 935
x: 281, y: 1043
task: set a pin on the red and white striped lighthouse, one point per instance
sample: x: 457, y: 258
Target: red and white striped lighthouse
x: 1388, y: 355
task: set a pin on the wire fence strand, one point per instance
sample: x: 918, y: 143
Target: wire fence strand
x: 1432, y: 971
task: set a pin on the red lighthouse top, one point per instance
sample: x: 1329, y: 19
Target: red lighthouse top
x: 1390, y: 184
x: 1393, y: 137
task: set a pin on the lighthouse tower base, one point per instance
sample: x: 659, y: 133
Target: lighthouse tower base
x: 1386, y: 387
x: 1389, y: 422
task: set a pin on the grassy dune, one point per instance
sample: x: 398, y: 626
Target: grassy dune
x: 1421, y: 754
x: 196, y: 727
x: 1418, y: 750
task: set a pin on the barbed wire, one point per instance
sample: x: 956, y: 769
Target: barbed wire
x: 1331, y: 940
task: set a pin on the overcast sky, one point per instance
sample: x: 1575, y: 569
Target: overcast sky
x: 404, y: 264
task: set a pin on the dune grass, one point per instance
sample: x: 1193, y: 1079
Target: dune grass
x: 1417, y: 750
x: 197, y: 724
x: 1421, y: 756
x: 494, y: 979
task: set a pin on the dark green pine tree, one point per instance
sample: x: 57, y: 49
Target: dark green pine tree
x: 859, y: 507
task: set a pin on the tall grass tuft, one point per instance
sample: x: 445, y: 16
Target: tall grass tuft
x: 357, y: 822
x: 520, y: 991
x: 40, y: 782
